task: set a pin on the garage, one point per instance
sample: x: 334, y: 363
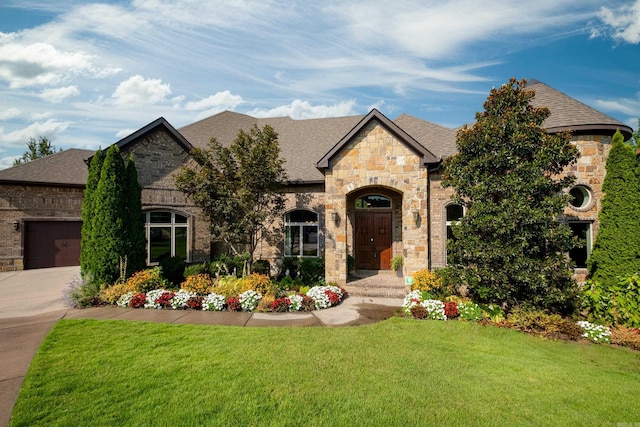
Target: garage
x: 52, y: 244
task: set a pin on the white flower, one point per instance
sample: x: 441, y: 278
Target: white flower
x: 411, y: 299
x: 152, y: 296
x: 319, y: 295
x: 124, y: 300
x: 213, y: 302
x: 296, y: 302
x: 249, y: 300
x: 595, y: 333
x: 435, y: 309
x: 180, y: 299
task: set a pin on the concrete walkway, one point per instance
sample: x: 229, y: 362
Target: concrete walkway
x: 32, y: 302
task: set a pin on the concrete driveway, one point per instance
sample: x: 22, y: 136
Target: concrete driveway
x: 33, y: 292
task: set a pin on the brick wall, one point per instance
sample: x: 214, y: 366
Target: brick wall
x: 24, y: 202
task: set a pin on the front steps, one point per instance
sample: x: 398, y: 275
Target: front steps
x: 376, y: 283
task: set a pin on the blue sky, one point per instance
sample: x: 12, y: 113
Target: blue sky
x: 86, y: 74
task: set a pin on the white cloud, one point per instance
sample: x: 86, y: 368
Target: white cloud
x: 20, y: 137
x: 137, y: 91
x: 124, y: 132
x: 304, y: 110
x: 624, y: 22
x: 59, y: 94
x: 7, y: 162
x: 24, y: 65
x: 220, y: 101
x: 9, y: 114
x: 626, y: 106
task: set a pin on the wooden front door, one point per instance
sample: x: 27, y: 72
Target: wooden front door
x: 373, y: 240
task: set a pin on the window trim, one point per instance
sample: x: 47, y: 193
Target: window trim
x: 173, y: 225
x: 588, y: 240
x: 355, y: 203
x: 300, y: 226
x: 589, y: 193
x: 447, y: 226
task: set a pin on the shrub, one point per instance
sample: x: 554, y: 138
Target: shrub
x: 425, y: 280
x: 147, y: 280
x: 195, y: 269
x: 540, y: 323
x: 266, y: 303
x: 618, y: 304
x: 311, y: 270
x: 259, y: 283
x: 289, y: 267
x: 111, y: 294
x: 173, y: 269
x: 230, y: 285
x: 83, y: 293
x: 628, y: 337
x: 261, y: 266
x: 199, y: 283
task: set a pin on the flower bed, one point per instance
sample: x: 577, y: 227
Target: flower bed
x: 420, y: 305
x: 321, y: 297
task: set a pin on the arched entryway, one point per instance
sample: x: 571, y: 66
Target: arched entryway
x: 376, y: 219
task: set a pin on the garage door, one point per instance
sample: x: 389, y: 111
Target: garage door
x: 52, y: 244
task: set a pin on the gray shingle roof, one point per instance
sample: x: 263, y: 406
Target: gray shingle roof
x: 66, y: 168
x: 440, y: 140
x: 570, y: 114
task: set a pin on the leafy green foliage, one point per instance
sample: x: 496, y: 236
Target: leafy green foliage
x: 109, y: 220
x: 311, y: 270
x: 510, y: 247
x: 614, y: 253
x: 173, y: 269
x: 36, y: 150
x: 239, y: 188
x: 136, y: 240
x: 88, y: 211
x: 618, y: 303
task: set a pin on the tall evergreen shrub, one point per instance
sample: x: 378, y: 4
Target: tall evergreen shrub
x: 136, y: 240
x: 88, y: 211
x: 109, y: 220
x: 616, y: 252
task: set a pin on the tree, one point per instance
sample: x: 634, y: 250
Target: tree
x: 36, y: 149
x: 238, y: 188
x: 88, y: 211
x: 511, y: 245
x: 108, y: 229
x: 136, y: 239
x: 616, y: 251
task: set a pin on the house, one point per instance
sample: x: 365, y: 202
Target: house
x: 362, y: 186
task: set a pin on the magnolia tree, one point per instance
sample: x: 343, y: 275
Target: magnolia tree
x: 239, y: 188
x: 510, y: 247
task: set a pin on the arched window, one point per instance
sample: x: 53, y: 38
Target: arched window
x: 454, y: 214
x: 373, y: 201
x: 166, y: 235
x: 301, y: 233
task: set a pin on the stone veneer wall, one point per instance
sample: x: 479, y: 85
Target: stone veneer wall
x: 158, y: 158
x: 439, y: 199
x: 375, y: 159
x: 25, y: 202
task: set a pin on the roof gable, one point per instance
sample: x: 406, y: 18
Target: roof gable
x: 426, y: 156
x: 151, y: 127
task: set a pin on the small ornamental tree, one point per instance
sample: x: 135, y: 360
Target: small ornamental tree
x: 616, y: 252
x: 136, y: 249
x: 511, y: 245
x: 109, y: 220
x: 87, y: 211
x: 239, y: 188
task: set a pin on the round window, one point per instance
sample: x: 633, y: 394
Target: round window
x: 580, y: 197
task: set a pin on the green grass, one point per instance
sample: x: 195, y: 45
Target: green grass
x: 398, y: 372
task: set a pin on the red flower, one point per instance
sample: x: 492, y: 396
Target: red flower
x: 138, y: 300
x: 451, y: 309
x: 233, y: 303
x: 164, y: 300
x: 334, y: 298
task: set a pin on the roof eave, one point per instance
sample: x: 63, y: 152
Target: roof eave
x: 610, y: 129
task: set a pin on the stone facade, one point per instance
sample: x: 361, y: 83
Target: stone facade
x: 372, y: 162
x: 23, y: 203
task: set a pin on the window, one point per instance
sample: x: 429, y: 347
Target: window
x: 580, y: 198
x: 166, y: 236
x: 453, y: 213
x: 301, y: 233
x: 373, y: 201
x: 579, y: 256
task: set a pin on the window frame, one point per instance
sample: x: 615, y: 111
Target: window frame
x: 300, y: 226
x: 172, y: 225
x: 588, y: 241
x: 374, y: 207
x: 448, y: 224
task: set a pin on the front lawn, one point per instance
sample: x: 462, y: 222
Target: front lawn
x: 397, y: 372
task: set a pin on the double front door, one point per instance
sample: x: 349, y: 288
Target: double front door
x: 373, y: 240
